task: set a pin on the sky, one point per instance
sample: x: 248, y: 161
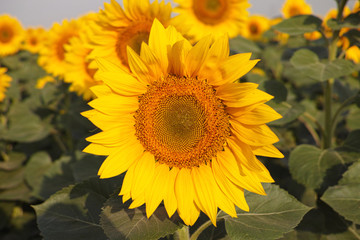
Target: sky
x: 46, y: 12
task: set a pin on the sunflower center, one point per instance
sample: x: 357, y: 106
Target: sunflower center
x: 60, y: 46
x: 254, y: 28
x: 294, y: 11
x: 132, y: 36
x: 210, y: 11
x: 6, y: 34
x: 181, y: 121
x: 33, y: 41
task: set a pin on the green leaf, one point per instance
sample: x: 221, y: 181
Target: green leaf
x: 243, y: 45
x: 303, y: 58
x: 345, y: 198
x: 351, y: 21
x: 38, y: 164
x: 10, y: 179
x: 309, y: 63
x: 58, y: 175
x: 86, y: 166
x: 352, y: 142
x: 73, y: 212
x: 270, y: 216
x: 120, y: 222
x: 19, y: 193
x: 308, y: 164
x: 276, y: 89
x: 289, y: 112
x: 15, y: 161
x: 24, y: 125
x: 299, y: 25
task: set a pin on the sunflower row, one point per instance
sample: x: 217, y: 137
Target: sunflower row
x: 68, y: 50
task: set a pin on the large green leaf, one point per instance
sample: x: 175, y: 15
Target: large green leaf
x: 309, y: 165
x: 14, y: 161
x: 351, y: 21
x: 270, y: 216
x: 288, y: 111
x: 36, y: 167
x: 74, y: 211
x: 308, y: 62
x: 10, y: 179
x: 299, y: 25
x: 242, y: 45
x: 24, y: 125
x: 120, y: 222
x: 345, y: 198
x: 57, y: 176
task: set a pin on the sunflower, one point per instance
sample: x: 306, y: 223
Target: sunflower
x: 256, y: 25
x: 312, y: 36
x: 52, y: 56
x: 121, y: 27
x: 78, y: 73
x: 184, y: 131
x: 293, y: 8
x: 41, y: 82
x: 34, y: 39
x: 198, y: 18
x: 11, y: 35
x: 4, y: 82
x: 353, y: 53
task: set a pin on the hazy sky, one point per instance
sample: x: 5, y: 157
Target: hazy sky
x: 46, y: 12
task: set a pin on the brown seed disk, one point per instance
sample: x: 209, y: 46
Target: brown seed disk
x: 181, y: 121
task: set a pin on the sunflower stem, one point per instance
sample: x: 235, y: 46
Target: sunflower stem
x: 328, y: 135
x: 182, y: 233
x: 198, y: 231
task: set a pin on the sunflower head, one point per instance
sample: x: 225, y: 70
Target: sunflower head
x: 293, y: 8
x: 198, y: 18
x: 353, y: 53
x: 34, y: 40
x: 79, y: 73
x: 255, y: 26
x: 120, y: 27
x: 184, y: 130
x: 52, y: 56
x: 11, y: 35
x: 4, y: 82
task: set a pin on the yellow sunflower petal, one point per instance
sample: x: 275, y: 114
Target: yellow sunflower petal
x: 204, y: 180
x: 184, y: 191
x: 158, y: 44
x: 124, y: 85
x: 156, y: 192
x: 170, y: 201
x: 196, y: 57
x: 115, y: 104
x: 145, y: 169
x: 259, y: 115
x: 121, y: 159
x: 234, y: 192
x: 267, y: 151
x: 139, y: 68
x: 257, y: 135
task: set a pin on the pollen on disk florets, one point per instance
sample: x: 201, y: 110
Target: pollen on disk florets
x: 181, y: 121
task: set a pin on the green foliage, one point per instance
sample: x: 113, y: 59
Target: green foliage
x: 299, y: 25
x: 308, y: 63
x: 269, y: 218
x: 345, y: 197
x: 118, y: 221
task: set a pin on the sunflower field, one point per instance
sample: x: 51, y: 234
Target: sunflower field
x: 185, y: 120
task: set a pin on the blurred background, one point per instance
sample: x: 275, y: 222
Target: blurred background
x: 46, y: 12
